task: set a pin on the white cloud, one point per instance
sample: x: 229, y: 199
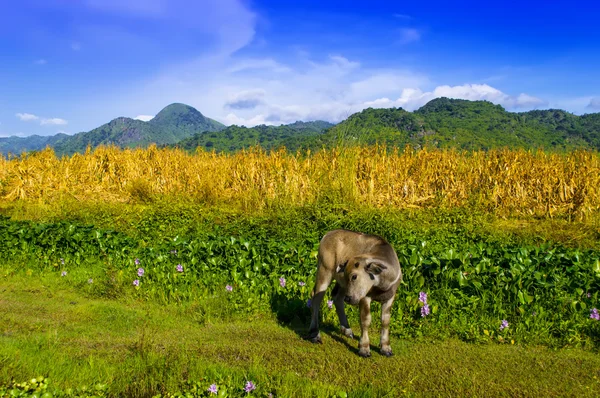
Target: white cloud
x: 343, y: 62
x: 409, y: 35
x: 594, y: 104
x: 54, y: 121
x: 231, y: 118
x: 383, y: 83
x: 267, y: 91
x: 18, y: 134
x: 40, y: 61
x: 402, y: 16
x: 248, y: 99
x: 413, y: 98
x: 75, y: 46
x: 144, y: 118
x: 247, y: 90
x: 26, y: 117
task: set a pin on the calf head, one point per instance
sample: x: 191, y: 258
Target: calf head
x: 360, y: 275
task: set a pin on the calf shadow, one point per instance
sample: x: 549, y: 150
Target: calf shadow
x: 292, y: 313
x: 295, y: 315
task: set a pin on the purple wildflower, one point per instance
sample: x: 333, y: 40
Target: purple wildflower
x: 140, y: 272
x: 504, y: 324
x: 64, y: 273
x: 90, y: 280
x: 179, y: 268
x: 175, y: 253
x: 329, y: 303
x: 62, y: 261
x: 282, y: 281
x: 594, y: 314
x: 423, y: 297
x: 309, y: 303
x: 137, y: 261
x: 249, y: 386
x: 136, y: 282
x: 589, y: 295
x: 212, y: 389
x: 425, y: 310
x: 534, y: 313
x: 301, y: 283
x: 229, y: 288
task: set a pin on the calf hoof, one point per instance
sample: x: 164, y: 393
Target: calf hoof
x: 364, y: 353
x: 314, y: 339
x: 387, y: 352
x: 347, y: 332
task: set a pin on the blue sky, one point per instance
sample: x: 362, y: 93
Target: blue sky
x: 72, y: 65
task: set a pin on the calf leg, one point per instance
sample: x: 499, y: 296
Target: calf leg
x: 386, y: 310
x: 338, y: 300
x: 364, y: 349
x: 324, y: 277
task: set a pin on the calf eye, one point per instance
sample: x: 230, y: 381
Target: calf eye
x: 354, y: 277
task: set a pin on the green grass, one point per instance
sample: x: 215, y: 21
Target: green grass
x: 141, y: 349
x: 181, y: 332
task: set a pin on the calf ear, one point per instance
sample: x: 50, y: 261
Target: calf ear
x: 375, y: 267
x: 341, y: 267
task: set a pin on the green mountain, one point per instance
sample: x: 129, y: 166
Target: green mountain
x: 462, y: 124
x: 182, y: 121
x: 441, y: 123
x: 18, y: 145
x: 234, y: 138
x: 172, y: 124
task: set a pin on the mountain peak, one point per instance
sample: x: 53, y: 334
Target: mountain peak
x: 185, y: 118
x: 177, y: 110
x: 445, y: 104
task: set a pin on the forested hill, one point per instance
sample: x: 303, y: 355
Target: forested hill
x: 451, y: 123
x: 172, y: 124
x: 441, y: 123
x: 234, y: 138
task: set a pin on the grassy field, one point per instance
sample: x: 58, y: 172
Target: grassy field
x: 114, y: 267
x: 142, y: 349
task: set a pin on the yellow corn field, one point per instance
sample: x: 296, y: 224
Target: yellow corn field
x: 504, y: 181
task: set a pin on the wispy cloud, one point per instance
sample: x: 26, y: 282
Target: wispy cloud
x: 594, y: 104
x: 55, y: 121
x: 402, y: 16
x: 254, y: 64
x: 26, y: 117
x: 145, y: 8
x: 75, y: 46
x: 40, y: 61
x: 229, y: 22
x: 409, y: 35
